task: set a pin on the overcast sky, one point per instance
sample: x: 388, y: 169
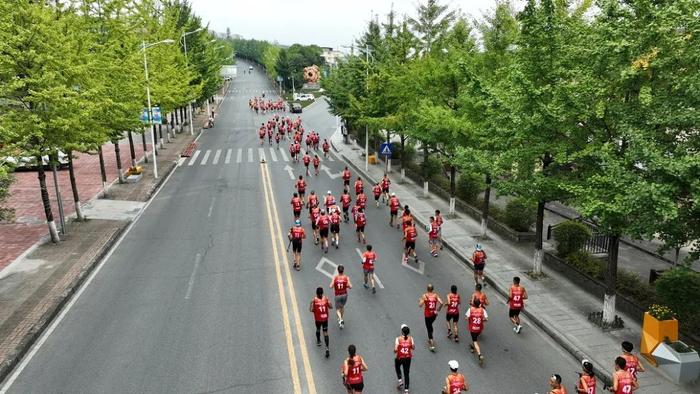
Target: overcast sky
x: 331, y: 23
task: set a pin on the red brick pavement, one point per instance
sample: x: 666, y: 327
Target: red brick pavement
x: 25, y: 198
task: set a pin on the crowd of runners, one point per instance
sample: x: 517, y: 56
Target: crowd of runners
x: 261, y: 105
x: 325, y: 213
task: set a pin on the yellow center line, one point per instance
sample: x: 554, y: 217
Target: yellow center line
x: 283, y: 298
x: 295, y: 308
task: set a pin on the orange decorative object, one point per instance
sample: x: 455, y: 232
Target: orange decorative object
x: 654, y: 332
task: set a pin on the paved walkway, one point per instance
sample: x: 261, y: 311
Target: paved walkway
x: 556, y: 305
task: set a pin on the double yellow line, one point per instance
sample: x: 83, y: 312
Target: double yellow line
x: 281, y: 263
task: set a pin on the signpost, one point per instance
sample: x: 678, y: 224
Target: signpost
x: 386, y: 150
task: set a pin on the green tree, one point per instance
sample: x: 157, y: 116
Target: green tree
x: 432, y: 22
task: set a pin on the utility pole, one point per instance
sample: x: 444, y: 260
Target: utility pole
x: 366, y: 125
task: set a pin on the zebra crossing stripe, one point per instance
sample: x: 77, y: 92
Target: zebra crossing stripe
x: 283, y: 154
x: 216, y: 157
x: 273, y: 155
x: 205, y: 158
x: 239, y: 155
x: 194, y: 158
x: 228, y: 156
x: 261, y: 153
x: 250, y: 155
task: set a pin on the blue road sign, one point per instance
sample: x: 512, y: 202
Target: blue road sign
x: 385, y: 149
x: 157, y: 118
x: 144, y: 115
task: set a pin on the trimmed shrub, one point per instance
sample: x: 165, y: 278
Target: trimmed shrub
x: 433, y: 167
x: 584, y: 262
x: 520, y: 214
x: 679, y: 289
x: 469, y: 186
x: 570, y: 237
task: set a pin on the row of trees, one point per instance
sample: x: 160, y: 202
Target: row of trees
x: 592, y: 103
x: 287, y: 63
x: 72, y: 75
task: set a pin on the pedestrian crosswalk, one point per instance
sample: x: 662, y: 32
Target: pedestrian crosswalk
x: 224, y: 156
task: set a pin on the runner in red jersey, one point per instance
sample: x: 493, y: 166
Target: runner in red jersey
x: 306, y: 159
x: 269, y: 135
x: 352, y: 369
x: 439, y: 221
x: 479, y: 260
x: 586, y: 380
x: 345, y: 199
x: 316, y: 161
x: 297, y: 204
x: 516, y: 300
x: 278, y: 136
x: 312, y: 200
x: 431, y: 303
x: 296, y: 236
x: 335, y: 226
x: 369, y: 257
x: 323, y: 223
x: 623, y: 381
x: 297, y: 150
x: 455, y: 382
x: 479, y: 295
x: 476, y: 317
x: 261, y: 134
x: 555, y: 385
x: 346, y: 177
x: 340, y: 285
x: 359, y: 186
x: 314, y: 214
x: 385, y: 182
x: 409, y: 235
x: 406, y: 217
x: 394, y: 206
x: 632, y: 362
x: 326, y: 148
x: 403, y: 348
x: 452, y: 315
x: 320, y: 306
x: 329, y: 201
x: 361, y: 200
x: 360, y: 222
x: 376, y: 191
x: 301, y: 187
x: 433, y: 237
x: 293, y: 152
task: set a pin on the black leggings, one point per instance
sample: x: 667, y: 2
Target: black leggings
x: 406, y: 364
x: 429, y: 325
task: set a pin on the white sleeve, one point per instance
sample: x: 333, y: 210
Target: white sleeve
x: 467, y: 314
x: 486, y: 315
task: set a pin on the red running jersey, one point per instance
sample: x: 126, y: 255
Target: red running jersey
x: 453, y: 302
x: 430, y: 301
x: 404, y: 348
x: 322, y: 222
x: 377, y: 190
x: 340, y: 285
x: 354, y: 375
x: 368, y: 259
x: 476, y: 319
x: 345, y: 199
x: 321, y: 309
x: 516, y: 297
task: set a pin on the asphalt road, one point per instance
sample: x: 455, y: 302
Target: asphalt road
x: 198, y: 297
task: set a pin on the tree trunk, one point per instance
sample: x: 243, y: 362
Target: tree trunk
x: 74, y: 188
x: 183, y: 115
x: 537, y: 267
x: 177, y: 121
x: 453, y: 188
x: 160, y: 135
x: 155, y: 139
x: 145, y: 146
x: 53, y: 231
x: 426, y: 175
x: 117, y: 154
x: 403, y: 158
x: 611, y: 280
x: 103, y: 171
x: 172, y: 125
x: 132, y: 151
x: 485, y: 208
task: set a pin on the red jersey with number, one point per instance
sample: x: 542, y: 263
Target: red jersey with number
x: 297, y: 204
x: 456, y: 383
x: 354, y: 375
x: 479, y: 296
x: 404, y: 347
x: 476, y: 319
x: 479, y: 256
x: 346, y: 175
x: 297, y: 148
x: 453, y: 302
x: 313, y: 200
x: 405, y: 219
x: 410, y: 234
x: 361, y: 200
x: 360, y: 219
x: 314, y: 214
x: 624, y: 382
x: 438, y: 220
x: 301, y: 186
x: 345, y: 199
x: 335, y: 217
x: 368, y: 259
x: 430, y: 301
x: 322, y: 222
x: 340, y: 285
x: 317, y: 161
x: 433, y: 232
x: 385, y: 183
x: 394, y: 204
x: 326, y: 147
x: 262, y: 133
x: 516, y: 297
x: 590, y: 382
x: 632, y: 363
x: 321, y: 309
x: 297, y: 233
x: 358, y: 187
x: 330, y: 201
x: 377, y: 190
x: 306, y: 159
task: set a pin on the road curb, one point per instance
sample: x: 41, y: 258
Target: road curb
x: 47, y: 318
x: 572, y: 349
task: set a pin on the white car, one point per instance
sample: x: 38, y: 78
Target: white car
x: 304, y: 97
x: 29, y: 162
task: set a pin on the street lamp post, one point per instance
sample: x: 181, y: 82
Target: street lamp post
x: 145, y: 46
x: 184, y: 40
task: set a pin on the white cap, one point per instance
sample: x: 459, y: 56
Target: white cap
x: 403, y: 325
x: 393, y: 194
x: 454, y: 365
x: 329, y: 192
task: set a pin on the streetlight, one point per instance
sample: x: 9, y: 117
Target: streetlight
x: 183, y: 38
x: 145, y: 46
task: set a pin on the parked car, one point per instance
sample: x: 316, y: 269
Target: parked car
x: 304, y: 97
x: 29, y: 162
x: 296, y: 108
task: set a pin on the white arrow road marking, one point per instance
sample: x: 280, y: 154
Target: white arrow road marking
x: 324, y: 261
x: 290, y: 170
x: 376, y: 278
x: 273, y: 155
x: 420, y: 269
x: 328, y: 171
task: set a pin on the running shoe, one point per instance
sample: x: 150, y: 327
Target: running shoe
x: 328, y: 353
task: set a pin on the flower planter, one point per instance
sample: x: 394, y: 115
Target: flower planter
x: 680, y: 367
x: 654, y: 332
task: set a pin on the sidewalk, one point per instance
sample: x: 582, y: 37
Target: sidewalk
x: 556, y: 305
x: 35, y: 286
